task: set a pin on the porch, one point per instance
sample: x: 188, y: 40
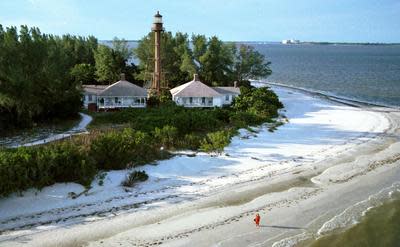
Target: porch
x: 194, y: 101
x: 120, y: 102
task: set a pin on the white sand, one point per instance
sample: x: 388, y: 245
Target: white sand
x: 314, y: 174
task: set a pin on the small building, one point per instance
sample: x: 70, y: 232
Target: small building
x: 229, y: 93
x: 91, y: 93
x: 197, y: 94
x: 122, y: 94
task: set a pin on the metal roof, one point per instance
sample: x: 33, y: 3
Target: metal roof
x: 123, y: 89
x: 227, y: 90
x: 93, y: 89
x: 194, y: 89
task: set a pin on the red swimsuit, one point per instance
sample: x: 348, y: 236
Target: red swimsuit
x: 257, y: 220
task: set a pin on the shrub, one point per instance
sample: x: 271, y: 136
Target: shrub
x: 166, y: 135
x: 153, y: 101
x: 216, y: 141
x: 191, y: 141
x: 259, y: 101
x: 24, y: 167
x: 134, y: 177
x: 116, y: 149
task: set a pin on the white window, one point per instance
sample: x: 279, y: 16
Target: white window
x: 226, y: 97
x: 90, y: 97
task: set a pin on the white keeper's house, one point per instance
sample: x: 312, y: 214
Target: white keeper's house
x: 122, y: 94
x: 197, y: 94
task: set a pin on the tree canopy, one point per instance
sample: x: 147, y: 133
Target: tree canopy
x: 217, y: 63
x: 41, y: 75
x: 35, y: 74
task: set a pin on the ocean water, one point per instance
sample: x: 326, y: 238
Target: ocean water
x: 379, y: 227
x: 360, y: 72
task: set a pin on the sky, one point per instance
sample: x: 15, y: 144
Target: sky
x: 230, y: 20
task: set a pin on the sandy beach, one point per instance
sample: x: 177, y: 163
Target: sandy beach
x: 320, y: 171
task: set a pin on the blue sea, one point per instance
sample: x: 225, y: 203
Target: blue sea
x: 367, y: 73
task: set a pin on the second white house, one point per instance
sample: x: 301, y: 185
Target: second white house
x: 197, y: 94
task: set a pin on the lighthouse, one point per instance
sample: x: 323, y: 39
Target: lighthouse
x: 157, y: 28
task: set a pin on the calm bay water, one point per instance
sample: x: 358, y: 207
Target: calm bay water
x: 360, y: 72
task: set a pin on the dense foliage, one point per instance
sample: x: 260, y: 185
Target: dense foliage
x: 122, y: 149
x: 216, y: 141
x: 110, y: 62
x: 41, y: 74
x: 35, y: 79
x: 23, y: 168
x: 258, y: 101
x: 145, y: 137
x: 218, y: 63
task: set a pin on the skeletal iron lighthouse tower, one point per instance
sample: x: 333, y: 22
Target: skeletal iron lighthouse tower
x: 157, y: 28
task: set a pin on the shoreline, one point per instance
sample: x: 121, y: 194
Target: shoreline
x: 371, y: 229
x: 272, y: 173
x: 331, y: 97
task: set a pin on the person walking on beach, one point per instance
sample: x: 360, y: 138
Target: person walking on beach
x: 257, y: 220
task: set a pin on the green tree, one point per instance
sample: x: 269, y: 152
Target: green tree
x: 258, y: 101
x: 216, y: 141
x: 35, y: 75
x: 216, y: 63
x: 83, y: 73
x: 107, y: 69
x: 166, y: 135
x: 121, y: 46
x: 250, y: 64
x: 188, y: 65
x: 199, y: 46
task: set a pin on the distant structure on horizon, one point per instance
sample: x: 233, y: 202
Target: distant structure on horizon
x: 290, y: 41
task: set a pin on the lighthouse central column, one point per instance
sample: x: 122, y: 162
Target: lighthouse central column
x: 157, y: 29
x: 157, y: 60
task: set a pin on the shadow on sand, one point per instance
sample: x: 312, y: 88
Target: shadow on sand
x: 283, y: 227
